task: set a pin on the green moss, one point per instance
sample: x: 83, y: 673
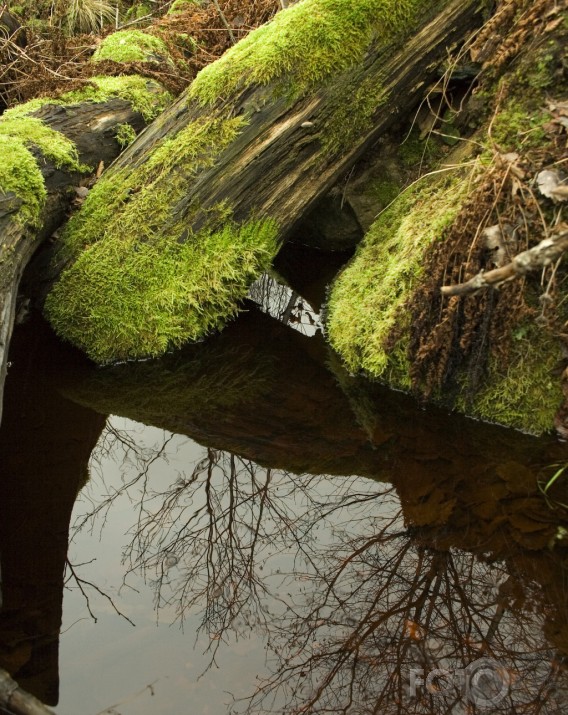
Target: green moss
x: 126, y: 299
x: 131, y: 46
x: 21, y: 175
x: 524, y: 393
x: 145, y: 96
x: 52, y: 144
x: 367, y: 299
x: 135, y: 289
x: 517, y: 128
x: 138, y: 10
x: 125, y: 135
x: 116, y: 203
x: 345, y: 124
x: 180, y: 6
x: 415, y: 152
x: 308, y: 44
x: 383, y: 192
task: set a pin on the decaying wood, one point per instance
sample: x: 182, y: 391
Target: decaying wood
x: 17, y: 701
x: 540, y: 256
x: 280, y: 164
x: 92, y: 126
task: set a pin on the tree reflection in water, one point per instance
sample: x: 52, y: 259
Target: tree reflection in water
x: 358, y: 604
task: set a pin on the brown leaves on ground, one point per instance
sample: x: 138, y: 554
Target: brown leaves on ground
x: 51, y: 65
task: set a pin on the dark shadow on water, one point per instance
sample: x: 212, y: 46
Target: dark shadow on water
x: 45, y: 445
x: 449, y: 555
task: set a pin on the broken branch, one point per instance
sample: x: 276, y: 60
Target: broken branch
x: 546, y: 252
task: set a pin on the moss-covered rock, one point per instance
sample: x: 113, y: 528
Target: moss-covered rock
x: 492, y: 356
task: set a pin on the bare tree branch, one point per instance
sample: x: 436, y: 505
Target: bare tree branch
x: 545, y: 253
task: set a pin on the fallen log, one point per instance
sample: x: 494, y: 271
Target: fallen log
x: 170, y: 239
x: 48, y: 147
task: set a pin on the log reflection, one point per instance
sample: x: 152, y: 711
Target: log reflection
x: 45, y: 445
x: 383, y: 585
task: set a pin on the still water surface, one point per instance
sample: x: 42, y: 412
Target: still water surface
x: 256, y: 531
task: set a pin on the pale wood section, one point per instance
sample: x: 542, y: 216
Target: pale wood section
x: 17, y: 701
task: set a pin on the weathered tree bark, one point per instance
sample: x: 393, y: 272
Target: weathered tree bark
x: 92, y: 127
x: 281, y: 163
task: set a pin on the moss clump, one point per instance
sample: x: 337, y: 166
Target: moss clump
x: 145, y: 96
x: 131, y: 46
x: 383, y: 192
x: 116, y: 204
x: 136, y: 288
x: 367, y: 299
x: 180, y: 6
x: 52, y: 144
x: 126, y: 299
x: 307, y: 44
x: 524, y: 393
x: 415, y: 152
x: 125, y: 135
x: 21, y: 175
x: 516, y: 128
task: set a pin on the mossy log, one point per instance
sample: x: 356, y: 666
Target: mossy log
x: 47, y: 147
x: 496, y: 355
x: 170, y: 239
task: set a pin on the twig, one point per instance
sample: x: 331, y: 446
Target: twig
x: 224, y: 21
x: 545, y: 253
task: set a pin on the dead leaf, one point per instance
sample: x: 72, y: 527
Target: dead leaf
x: 413, y: 630
x: 553, y: 24
x: 550, y: 184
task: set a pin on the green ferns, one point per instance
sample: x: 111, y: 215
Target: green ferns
x: 307, y: 44
x: 367, y: 299
x: 134, y: 289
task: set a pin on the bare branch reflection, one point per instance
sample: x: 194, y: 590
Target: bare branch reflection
x: 360, y: 605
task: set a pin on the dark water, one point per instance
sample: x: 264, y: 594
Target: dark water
x: 242, y: 527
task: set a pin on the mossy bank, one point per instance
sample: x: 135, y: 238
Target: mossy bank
x: 494, y: 355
